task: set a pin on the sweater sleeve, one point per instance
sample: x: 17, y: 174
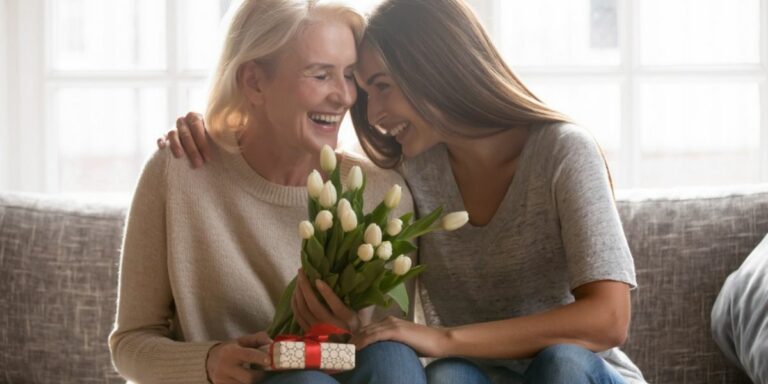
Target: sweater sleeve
x: 141, y: 341
x: 592, y: 234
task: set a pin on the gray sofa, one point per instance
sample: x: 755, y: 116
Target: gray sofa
x: 58, y: 275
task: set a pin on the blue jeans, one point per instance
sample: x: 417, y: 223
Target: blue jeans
x: 382, y: 362
x: 561, y: 363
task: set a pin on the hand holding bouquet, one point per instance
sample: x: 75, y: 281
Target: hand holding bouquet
x: 361, y: 256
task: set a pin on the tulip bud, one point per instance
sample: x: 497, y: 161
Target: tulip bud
x: 384, y: 251
x: 327, y: 195
x: 373, y: 235
x: 306, y: 230
x: 392, y: 199
x: 401, y: 265
x: 327, y: 159
x: 342, y: 207
x: 348, y: 220
x: 454, y: 220
x: 314, y: 184
x: 324, y: 220
x: 365, y: 252
x: 355, y: 178
x: 394, y: 226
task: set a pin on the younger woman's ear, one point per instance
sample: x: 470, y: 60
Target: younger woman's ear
x: 252, y: 78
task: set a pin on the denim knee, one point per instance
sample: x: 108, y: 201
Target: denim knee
x: 300, y: 377
x: 455, y: 370
x: 567, y: 363
x: 386, y: 362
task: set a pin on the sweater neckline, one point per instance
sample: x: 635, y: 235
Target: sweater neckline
x: 252, y: 182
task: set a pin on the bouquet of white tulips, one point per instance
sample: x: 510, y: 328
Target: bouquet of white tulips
x: 362, y: 256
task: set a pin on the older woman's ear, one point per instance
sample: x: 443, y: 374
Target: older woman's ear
x: 252, y: 80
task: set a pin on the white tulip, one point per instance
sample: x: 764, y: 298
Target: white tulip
x: 306, y: 230
x: 455, y: 220
x: 365, y: 252
x: 394, y: 226
x: 392, y: 199
x: 348, y: 220
x: 342, y: 207
x: 327, y: 159
x: 314, y: 184
x: 373, y: 235
x: 355, y: 178
x: 324, y: 220
x: 327, y: 195
x: 402, y: 265
x: 384, y: 251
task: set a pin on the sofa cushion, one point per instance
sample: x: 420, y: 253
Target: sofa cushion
x: 684, y: 248
x: 58, y: 283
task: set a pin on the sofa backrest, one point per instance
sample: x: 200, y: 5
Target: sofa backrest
x: 684, y: 248
x: 59, y: 266
x: 58, y: 277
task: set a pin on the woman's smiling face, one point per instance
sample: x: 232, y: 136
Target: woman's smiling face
x: 388, y: 108
x: 310, y: 87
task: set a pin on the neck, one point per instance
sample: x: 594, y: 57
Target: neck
x: 277, y: 161
x: 490, y: 153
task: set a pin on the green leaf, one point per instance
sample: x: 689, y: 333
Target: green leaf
x: 400, y: 295
x: 351, y: 238
x: 308, y: 268
x: 283, y: 312
x: 370, y: 272
x: 333, y: 242
x: 332, y: 279
x: 349, y: 280
x: 378, y: 216
x: 402, y: 247
x: 312, y: 208
x: 317, y: 257
x: 406, y: 219
x: 421, y: 226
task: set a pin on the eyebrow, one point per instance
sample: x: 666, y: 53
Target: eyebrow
x: 321, y: 66
x: 374, y: 77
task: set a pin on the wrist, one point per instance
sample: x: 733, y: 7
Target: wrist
x: 448, y: 342
x: 208, y: 367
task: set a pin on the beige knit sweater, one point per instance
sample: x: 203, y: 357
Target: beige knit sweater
x: 205, y: 257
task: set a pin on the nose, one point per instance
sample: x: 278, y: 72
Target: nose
x: 344, y: 93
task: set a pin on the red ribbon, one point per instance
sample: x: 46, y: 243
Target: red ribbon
x: 319, y: 333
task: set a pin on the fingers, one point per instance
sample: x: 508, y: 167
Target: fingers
x: 188, y: 143
x: 161, y: 141
x: 316, y: 308
x: 255, y: 340
x: 172, y: 140
x: 197, y: 129
x: 386, y: 329
x: 339, y: 309
x: 227, y: 362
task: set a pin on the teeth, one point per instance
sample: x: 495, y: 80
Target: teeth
x: 330, y: 119
x: 394, y: 131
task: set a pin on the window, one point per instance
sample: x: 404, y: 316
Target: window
x: 675, y: 91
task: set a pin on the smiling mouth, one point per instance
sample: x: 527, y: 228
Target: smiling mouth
x: 325, y: 119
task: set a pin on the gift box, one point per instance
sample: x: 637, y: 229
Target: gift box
x: 312, y: 355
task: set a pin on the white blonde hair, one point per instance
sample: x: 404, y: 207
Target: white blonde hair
x: 258, y: 30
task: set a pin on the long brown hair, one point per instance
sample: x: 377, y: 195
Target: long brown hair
x: 439, y: 54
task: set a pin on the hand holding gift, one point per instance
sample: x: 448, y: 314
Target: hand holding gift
x: 359, y: 258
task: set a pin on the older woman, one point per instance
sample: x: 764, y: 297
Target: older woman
x: 207, y: 254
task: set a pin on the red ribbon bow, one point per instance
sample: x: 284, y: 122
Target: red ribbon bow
x: 319, y: 333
